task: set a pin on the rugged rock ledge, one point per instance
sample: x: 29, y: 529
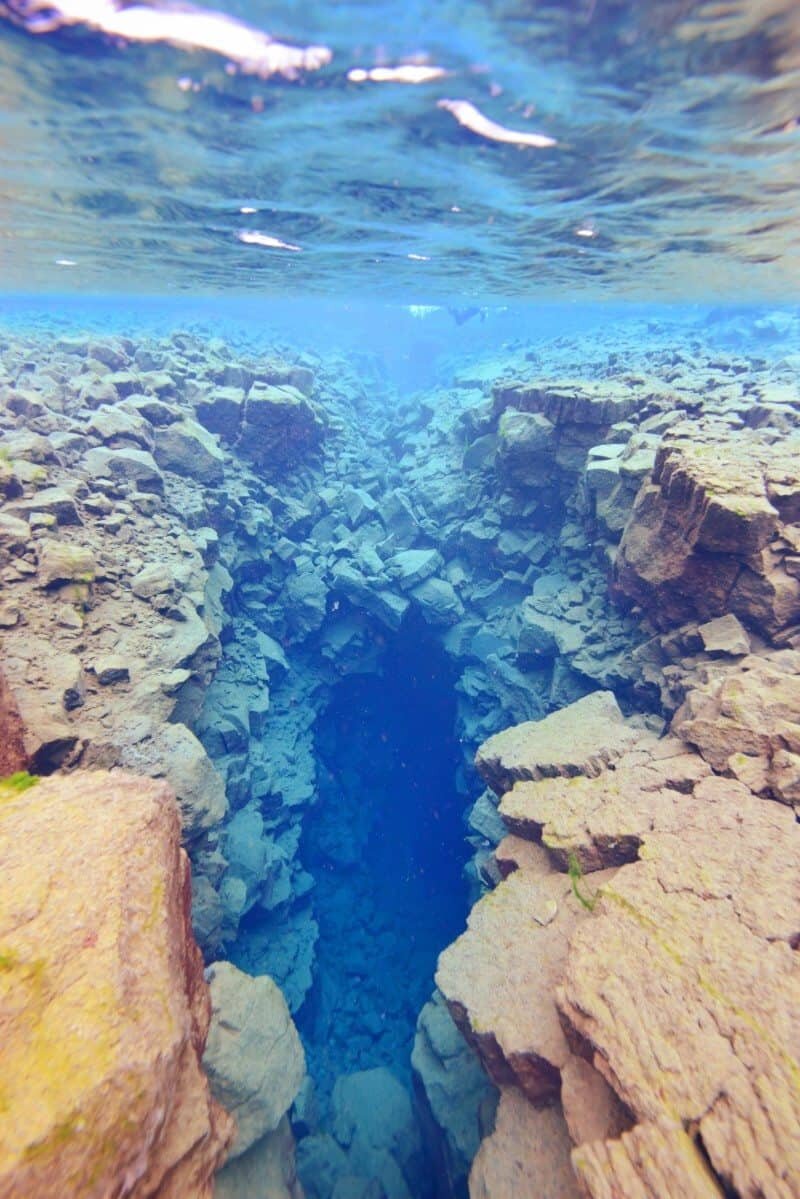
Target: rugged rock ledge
x: 634, y: 980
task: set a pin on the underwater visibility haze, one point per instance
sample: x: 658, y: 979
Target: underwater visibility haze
x: 399, y: 463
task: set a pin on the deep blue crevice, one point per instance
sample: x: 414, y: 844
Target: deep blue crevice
x: 386, y: 847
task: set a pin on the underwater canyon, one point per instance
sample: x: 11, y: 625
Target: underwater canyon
x: 480, y: 702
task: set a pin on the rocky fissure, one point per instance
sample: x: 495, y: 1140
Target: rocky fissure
x: 307, y: 602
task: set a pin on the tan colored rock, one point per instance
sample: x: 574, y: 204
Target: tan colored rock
x: 527, y: 1154
x: 12, y: 733
x: 253, y: 1058
x: 724, y: 635
x: 704, y: 537
x: 591, y: 1108
x: 499, y: 979
x: 103, y: 1005
x: 63, y: 562
x: 650, y: 1160
x: 684, y: 989
x: 748, y: 724
x: 602, y: 821
x: 579, y: 739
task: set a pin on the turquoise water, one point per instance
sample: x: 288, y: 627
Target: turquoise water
x: 127, y: 166
x: 354, y: 225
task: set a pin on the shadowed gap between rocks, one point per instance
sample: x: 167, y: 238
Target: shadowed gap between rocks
x: 386, y: 847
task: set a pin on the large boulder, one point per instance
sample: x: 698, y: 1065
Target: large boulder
x: 186, y: 448
x: 708, y: 534
x: 254, y: 1059
x: 453, y: 1090
x: 102, y: 999
x: 279, y: 427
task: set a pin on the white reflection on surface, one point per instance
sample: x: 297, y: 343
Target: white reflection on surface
x: 408, y: 73
x: 251, y: 237
x: 471, y: 118
x: 188, y: 28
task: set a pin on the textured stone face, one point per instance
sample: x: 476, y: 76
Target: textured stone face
x: 253, y: 1058
x: 705, y: 537
x: 102, y: 999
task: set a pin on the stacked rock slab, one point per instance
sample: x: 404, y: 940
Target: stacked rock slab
x: 661, y: 990
x: 103, y: 1006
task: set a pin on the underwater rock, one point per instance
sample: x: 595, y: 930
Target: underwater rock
x: 186, y: 448
x: 705, y: 538
x: 746, y: 724
x: 576, y: 740
x: 674, y: 975
x: 499, y: 979
x: 253, y: 1057
x: 13, y: 756
x: 279, y: 426
x: 266, y: 1171
x: 106, y: 1010
x: 528, y: 1153
x: 373, y: 1121
x: 61, y: 562
x: 453, y: 1089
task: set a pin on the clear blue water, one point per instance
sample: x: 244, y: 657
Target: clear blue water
x: 127, y: 166
x: 147, y: 189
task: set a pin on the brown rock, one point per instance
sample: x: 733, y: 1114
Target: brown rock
x: 651, y: 1160
x: 579, y: 739
x: 748, y: 724
x: 12, y: 733
x: 104, y: 1007
x: 704, y: 537
x: 684, y: 991
x: 499, y: 979
x: 527, y: 1154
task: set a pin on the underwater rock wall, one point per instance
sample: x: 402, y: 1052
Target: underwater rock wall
x: 632, y: 985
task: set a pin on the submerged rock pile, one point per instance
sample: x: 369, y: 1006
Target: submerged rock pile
x: 200, y: 542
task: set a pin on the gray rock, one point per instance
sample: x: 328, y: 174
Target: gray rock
x: 410, y: 567
x: 280, y: 426
x: 438, y: 601
x: 372, y: 1117
x: 221, y: 413
x: 459, y: 1097
x: 321, y: 1162
x: 358, y: 504
x: 54, y: 501
x: 131, y: 466
x: 266, y: 1171
x: 188, y: 449
x: 253, y: 1057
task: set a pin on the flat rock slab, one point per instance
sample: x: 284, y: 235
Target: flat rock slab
x: 684, y: 988
x: 102, y: 1000
x: 499, y: 979
x: 580, y: 739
